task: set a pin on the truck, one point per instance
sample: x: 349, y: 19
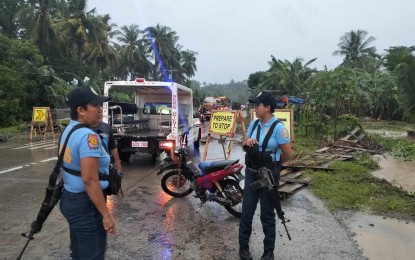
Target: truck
x: 215, y: 103
x: 152, y: 124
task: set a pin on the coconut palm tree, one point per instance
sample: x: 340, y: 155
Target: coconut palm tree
x: 401, y: 61
x: 356, y: 48
x: 37, y: 16
x: 161, y: 43
x: 133, y: 51
x: 287, y: 77
x: 9, y: 24
x: 188, y: 64
x: 100, y: 52
x: 74, y: 30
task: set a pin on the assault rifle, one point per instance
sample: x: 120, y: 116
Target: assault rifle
x: 266, y: 180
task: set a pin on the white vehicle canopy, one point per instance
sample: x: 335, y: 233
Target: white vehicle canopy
x: 157, y: 102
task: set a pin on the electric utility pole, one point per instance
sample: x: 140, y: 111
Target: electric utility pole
x: 171, y: 73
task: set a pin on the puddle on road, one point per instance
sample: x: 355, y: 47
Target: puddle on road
x: 383, y: 238
x: 396, y: 171
x: 387, y: 238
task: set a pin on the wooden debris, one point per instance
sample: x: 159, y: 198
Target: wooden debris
x: 308, y: 167
x: 357, y: 148
x: 290, y: 188
x: 324, y: 149
x: 343, y: 149
x: 353, y: 134
x: 293, y: 180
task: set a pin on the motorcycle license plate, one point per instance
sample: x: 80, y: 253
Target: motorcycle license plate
x: 240, y: 176
x: 139, y: 144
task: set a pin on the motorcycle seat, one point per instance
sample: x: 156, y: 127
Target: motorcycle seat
x: 209, y: 166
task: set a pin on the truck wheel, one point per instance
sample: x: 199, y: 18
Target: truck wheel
x: 125, y: 156
x: 196, y: 144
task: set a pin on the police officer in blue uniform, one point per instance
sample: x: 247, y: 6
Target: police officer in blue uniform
x: 280, y: 150
x: 105, y: 131
x: 83, y: 202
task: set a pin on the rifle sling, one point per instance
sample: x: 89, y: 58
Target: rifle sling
x: 54, y: 175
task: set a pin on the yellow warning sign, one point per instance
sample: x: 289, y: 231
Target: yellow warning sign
x: 223, y: 122
x: 39, y: 114
x: 285, y: 116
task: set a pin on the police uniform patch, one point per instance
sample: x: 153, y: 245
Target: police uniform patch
x: 93, y: 141
x: 284, y: 133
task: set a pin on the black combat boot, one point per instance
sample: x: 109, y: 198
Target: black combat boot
x: 244, y: 253
x: 268, y: 255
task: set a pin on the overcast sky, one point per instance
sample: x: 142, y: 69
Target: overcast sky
x: 234, y: 38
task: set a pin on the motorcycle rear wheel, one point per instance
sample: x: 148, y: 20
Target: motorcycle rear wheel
x: 233, y: 190
x: 175, y: 185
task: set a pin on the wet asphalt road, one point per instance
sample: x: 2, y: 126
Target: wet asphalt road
x: 153, y: 225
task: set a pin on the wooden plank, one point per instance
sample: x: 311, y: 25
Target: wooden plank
x: 360, y: 137
x: 309, y: 167
x: 343, y: 159
x: 293, y: 180
x: 286, y: 171
x: 355, y: 130
x: 346, y: 138
x: 323, y: 149
x: 346, y: 156
x: 293, y: 174
x: 290, y: 188
x: 359, y: 149
x: 352, y: 133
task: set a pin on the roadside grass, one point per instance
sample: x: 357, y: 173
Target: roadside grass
x: 305, y: 144
x: 403, y: 148
x: 352, y: 187
x: 9, y: 130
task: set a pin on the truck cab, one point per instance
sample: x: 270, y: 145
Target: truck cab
x: 151, y: 124
x: 215, y: 103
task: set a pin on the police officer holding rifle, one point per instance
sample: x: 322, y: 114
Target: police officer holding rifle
x: 267, y: 146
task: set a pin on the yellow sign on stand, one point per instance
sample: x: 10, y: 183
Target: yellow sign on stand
x: 223, y: 122
x: 42, y: 116
x: 285, y: 116
x: 39, y: 114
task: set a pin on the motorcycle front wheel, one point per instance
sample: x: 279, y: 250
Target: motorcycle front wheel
x: 174, y: 184
x: 234, y: 193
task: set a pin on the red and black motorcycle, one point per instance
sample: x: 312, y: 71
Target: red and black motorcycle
x: 202, y: 117
x: 216, y: 181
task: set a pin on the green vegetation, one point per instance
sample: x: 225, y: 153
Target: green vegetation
x: 304, y: 143
x: 401, y: 147
x: 352, y: 187
x: 9, y: 130
x: 49, y: 47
